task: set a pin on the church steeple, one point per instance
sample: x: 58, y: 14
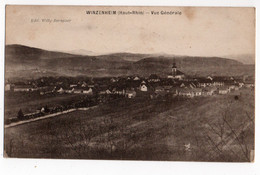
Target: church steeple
x: 174, y: 68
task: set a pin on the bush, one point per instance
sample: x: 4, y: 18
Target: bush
x: 20, y: 114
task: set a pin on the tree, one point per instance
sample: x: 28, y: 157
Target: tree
x: 20, y: 114
x: 46, y: 109
x: 230, y: 133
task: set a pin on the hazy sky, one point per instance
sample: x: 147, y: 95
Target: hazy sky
x: 197, y: 31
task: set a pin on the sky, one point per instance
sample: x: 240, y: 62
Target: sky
x: 199, y: 31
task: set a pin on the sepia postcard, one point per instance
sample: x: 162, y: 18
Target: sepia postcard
x: 130, y: 83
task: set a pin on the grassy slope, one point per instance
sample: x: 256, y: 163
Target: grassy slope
x: 154, y: 130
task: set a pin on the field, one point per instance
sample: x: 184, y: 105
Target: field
x: 30, y: 102
x: 217, y: 128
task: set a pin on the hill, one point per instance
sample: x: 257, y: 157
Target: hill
x: 29, y: 62
x: 200, y: 66
x: 244, y: 58
x: 23, y: 61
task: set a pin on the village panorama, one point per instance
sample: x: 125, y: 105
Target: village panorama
x: 168, y: 113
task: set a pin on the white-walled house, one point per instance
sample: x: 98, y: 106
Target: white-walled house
x: 70, y: 90
x: 143, y: 88
x: 154, y: 78
x: 130, y: 93
x: 186, y: 93
x: 136, y: 78
x: 7, y: 87
x: 108, y: 91
x: 77, y: 91
x: 89, y: 91
x: 197, y: 91
x: 24, y: 88
x: 61, y: 90
x: 223, y: 90
x: 73, y: 85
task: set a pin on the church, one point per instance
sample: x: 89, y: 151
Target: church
x: 176, y: 74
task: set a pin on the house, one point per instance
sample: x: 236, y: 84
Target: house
x: 186, y: 84
x: 78, y: 90
x: 160, y: 91
x: 241, y: 84
x: 60, y: 90
x: 47, y: 90
x: 210, y: 78
x: 143, y: 88
x: 249, y: 83
x: 24, y: 88
x: 8, y: 87
x: 84, y: 84
x: 102, y: 92
x: 73, y: 85
x: 167, y: 88
x: 218, y: 81
x: 175, y: 91
x: 223, y: 90
x: 186, y: 93
x: 192, y: 85
x: 108, y: 91
x: 204, y: 82
x: 232, y: 87
x: 70, y: 90
x: 130, y: 93
x: 119, y: 90
x: 182, y: 85
x: 190, y: 92
x: 42, y: 109
x: 237, y: 88
x: 91, y: 85
x: 113, y: 80
x: 168, y: 82
x: 208, y: 91
x: 197, y: 91
x: 136, y: 78
x: 88, y: 91
x: 154, y: 78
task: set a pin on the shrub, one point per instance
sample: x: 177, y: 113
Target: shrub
x: 20, y: 114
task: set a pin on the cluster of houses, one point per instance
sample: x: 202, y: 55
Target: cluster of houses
x: 175, y: 84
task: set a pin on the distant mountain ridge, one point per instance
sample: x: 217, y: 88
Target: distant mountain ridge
x: 25, y: 52
x: 29, y: 62
x: 81, y: 52
x: 243, y: 58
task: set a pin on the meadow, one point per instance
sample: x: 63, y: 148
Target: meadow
x: 216, y: 128
x: 30, y: 102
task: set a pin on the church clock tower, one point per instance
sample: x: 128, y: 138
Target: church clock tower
x: 174, y: 69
